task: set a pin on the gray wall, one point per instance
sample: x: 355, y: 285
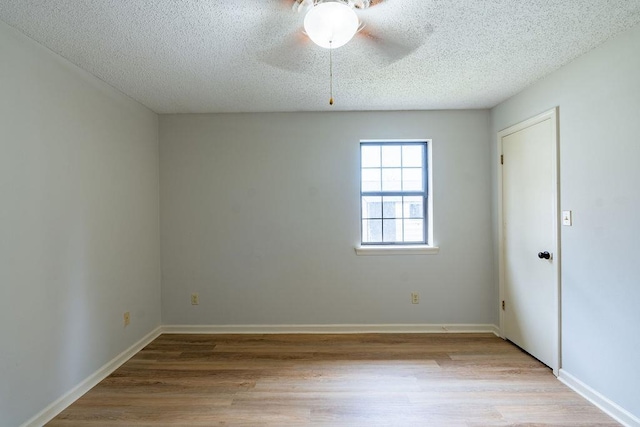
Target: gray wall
x: 599, y: 99
x: 260, y: 216
x: 79, y: 239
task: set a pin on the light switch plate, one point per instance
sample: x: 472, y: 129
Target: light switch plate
x: 566, y: 218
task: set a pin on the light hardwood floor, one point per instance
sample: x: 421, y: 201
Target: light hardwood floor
x: 331, y: 380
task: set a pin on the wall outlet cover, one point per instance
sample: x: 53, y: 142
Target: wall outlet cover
x: 415, y: 298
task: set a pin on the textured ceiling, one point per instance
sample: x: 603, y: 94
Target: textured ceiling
x: 187, y: 56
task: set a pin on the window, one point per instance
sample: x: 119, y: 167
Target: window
x: 394, y: 193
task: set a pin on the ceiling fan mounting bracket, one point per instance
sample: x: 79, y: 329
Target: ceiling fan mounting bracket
x: 356, y: 4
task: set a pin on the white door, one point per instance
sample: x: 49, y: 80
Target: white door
x: 530, y: 255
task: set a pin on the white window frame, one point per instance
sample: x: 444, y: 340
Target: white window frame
x: 428, y: 248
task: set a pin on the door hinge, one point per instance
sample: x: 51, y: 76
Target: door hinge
x: 503, y: 304
x: 502, y: 159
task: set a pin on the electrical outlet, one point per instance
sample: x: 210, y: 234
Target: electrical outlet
x: 195, y: 300
x: 415, y: 298
x: 127, y: 318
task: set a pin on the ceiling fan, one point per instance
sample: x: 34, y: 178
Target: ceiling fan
x: 369, y: 23
x: 332, y: 24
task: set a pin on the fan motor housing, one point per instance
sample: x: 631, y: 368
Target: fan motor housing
x: 358, y: 4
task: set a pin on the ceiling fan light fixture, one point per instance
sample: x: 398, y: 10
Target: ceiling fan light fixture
x: 331, y: 24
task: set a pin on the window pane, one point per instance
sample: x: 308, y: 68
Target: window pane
x: 391, y: 179
x: 370, y: 156
x: 371, y: 207
x: 413, y: 230
x: 393, y: 192
x: 412, y: 156
x: 412, y: 179
x: 413, y: 207
x: 392, y: 230
x: 391, y: 156
x: 372, y: 230
x: 392, y: 207
x: 370, y: 179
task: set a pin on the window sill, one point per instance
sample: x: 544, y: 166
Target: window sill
x: 397, y: 250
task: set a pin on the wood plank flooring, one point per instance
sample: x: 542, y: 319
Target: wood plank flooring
x: 331, y: 380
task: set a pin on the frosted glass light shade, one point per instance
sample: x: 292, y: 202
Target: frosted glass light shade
x: 331, y: 25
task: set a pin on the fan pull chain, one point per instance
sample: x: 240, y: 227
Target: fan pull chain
x: 330, y: 73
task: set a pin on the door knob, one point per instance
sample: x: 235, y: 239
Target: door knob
x: 544, y: 255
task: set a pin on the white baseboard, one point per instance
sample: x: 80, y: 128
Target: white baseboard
x: 48, y: 413
x: 329, y: 329
x: 614, y: 410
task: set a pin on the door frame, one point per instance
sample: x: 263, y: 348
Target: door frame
x: 552, y: 115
